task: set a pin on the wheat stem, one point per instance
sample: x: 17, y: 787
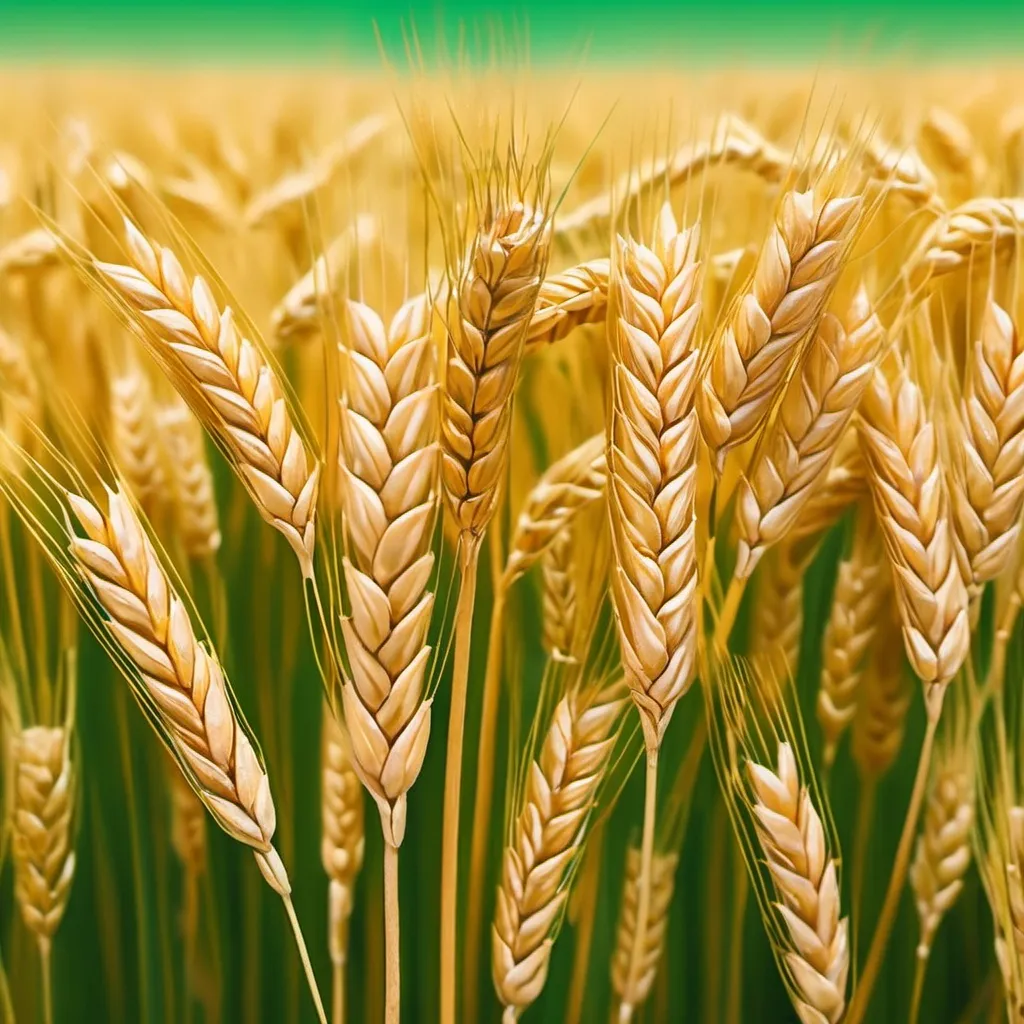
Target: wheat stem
x: 46, y: 959
x: 734, y: 991
x: 588, y: 891
x: 887, y: 917
x: 469, y: 558
x: 862, y: 831
x: 338, y: 993
x: 920, y: 966
x: 727, y: 616
x: 392, y: 937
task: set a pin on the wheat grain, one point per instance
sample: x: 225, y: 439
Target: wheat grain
x: 943, y: 850
x: 806, y: 882
x: 633, y: 989
x: 191, y: 480
x: 343, y: 833
x: 494, y: 299
x: 546, y: 840
x: 861, y: 596
x: 566, y: 487
x: 180, y: 678
x: 797, y: 447
x: 134, y: 438
x: 230, y: 382
x: 558, y: 607
x: 42, y: 847
x: 652, y: 467
x: 793, y: 280
x: 390, y: 471
x: 912, y: 506
x: 568, y: 300
x: 987, y: 486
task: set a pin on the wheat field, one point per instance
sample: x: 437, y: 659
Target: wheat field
x: 566, y: 525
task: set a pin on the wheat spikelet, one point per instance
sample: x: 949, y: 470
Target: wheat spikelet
x: 976, y: 228
x: 861, y: 596
x: 882, y: 705
x: 546, y: 838
x: 565, y: 489
x: 652, y: 466
x: 236, y: 389
x: 943, y: 850
x: 793, y: 280
x: 558, y: 606
x: 188, y: 824
x: 134, y: 438
x: 806, y: 882
x: 568, y: 300
x: 987, y: 488
x: 341, y: 848
x: 779, y: 610
x: 191, y: 480
x: 180, y: 678
x: 494, y: 299
x: 390, y: 486
x: 912, y: 506
x: 633, y: 990
x: 798, y: 445
x: 44, y: 797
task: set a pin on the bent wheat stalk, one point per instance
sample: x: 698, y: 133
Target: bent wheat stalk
x: 226, y: 378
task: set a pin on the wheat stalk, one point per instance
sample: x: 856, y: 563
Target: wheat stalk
x: 858, y: 602
x: 1009, y: 941
x: 558, y: 604
x: 912, y: 506
x: 987, y: 486
x: 805, y: 878
x: 546, y: 840
x: 568, y: 300
x: 632, y: 988
x: 793, y: 280
x: 226, y: 376
x: 134, y: 440
x: 799, y: 442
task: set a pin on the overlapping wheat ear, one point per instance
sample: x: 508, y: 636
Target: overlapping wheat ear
x: 181, y: 681
x: 134, y: 439
x: 226, y: 378
x: 341, y: 846
x: 861, y: 595
x: 491, y: 305
x: 794, y: 278
x: 547, y: 839
x: 987, y: 482
x: 567, y: 300
x: 390, y: 488
x: 632, y: 986
x: 907, y: 481
x: 45, y: 781
x: 190, y: 478
x: 806, y: 882
x: 979, y: 228
x: 796, y: 449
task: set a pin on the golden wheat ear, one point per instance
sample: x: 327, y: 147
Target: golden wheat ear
x: 227, y: 380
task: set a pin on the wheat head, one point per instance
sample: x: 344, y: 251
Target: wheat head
x: 652, y: 466
x: 558, y: 605
x: 978, y: 228
x: 951, y: 145
x: 806, y: 881
x: 898, y: 171
x: 793, y: 280
x: 494, y: 301
x: 568, y: 300
x: 18, y: 381
x: 135, y: 441
x: 389, y: 456
x: 778, y: 613
x: 188, y: 824
x: 987, y: 488
x: 912, y: 506
x: 943, y: 850
x: 42, y: 847
x: 343, y: 830
x: 633, y: 990
x: 845, y: 483
x: 232, y: 384
x: 547, y: 838
x: 795, y: 452
x: 180, y: 677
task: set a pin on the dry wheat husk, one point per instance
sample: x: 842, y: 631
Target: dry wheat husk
x: 494, y: 300
x: 389, y: 457
x: 43, y: 845
x: 912, y: 506
x: 180, y: 678
x: 633, y: 989
x: 793, y: 280
x: 987, y: 485
x: 652, y: 466
x: 805, y: 876
x: 226, y: 378
x: 546, y: 839
x: 796, y: 449
x: 568, y: 300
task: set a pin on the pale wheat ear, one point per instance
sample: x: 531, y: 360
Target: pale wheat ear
x: 782, y: 823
